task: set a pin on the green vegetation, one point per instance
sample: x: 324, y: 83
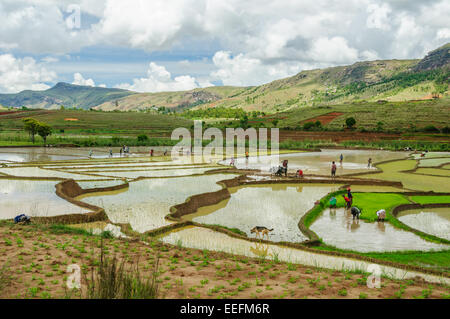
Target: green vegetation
x: 430, y: 199
x: 370, y: 203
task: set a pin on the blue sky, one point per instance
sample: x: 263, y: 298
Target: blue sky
x: 166, y: 45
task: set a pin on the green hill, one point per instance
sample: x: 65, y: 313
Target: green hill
x: 370, y: 81
x: 69, y: 95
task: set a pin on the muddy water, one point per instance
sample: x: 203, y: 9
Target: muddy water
x: 274, y: 206
x: 33, y: 198
x: 434, y: 221
x: 319, y: 163
x: 146, y: 202
x: 201, y: 238
x: 337, y: 228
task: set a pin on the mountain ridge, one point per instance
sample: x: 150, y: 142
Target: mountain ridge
x: 394, y: 80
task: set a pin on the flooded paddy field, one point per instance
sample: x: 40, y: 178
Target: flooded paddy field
x: 202, y: 238
x: 434, y: 162
x: 319, y: 163
x: 337, y: 228
x: 395, y: 171
x: 274, y: 206
x: 146, y: 202
x: 434, y: 221
x: 33, y: 198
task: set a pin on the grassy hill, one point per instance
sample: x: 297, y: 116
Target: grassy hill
x: 389, y: 80
x: 370, y: 81
x: 69, y: 95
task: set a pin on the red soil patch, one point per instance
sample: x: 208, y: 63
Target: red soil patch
x: 325, y: 118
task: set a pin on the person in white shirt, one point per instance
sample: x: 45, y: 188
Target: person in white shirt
x: 381, y: 214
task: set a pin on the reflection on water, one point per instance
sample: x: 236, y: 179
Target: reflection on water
x: 340, y: 230
x: 146, y: 202
x: 33, y: 198
x: 202, y: 238
x: 354, y: 161
x: 434, y: 221
x: 273, y: 206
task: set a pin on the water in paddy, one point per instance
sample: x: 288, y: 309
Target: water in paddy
x: 431, y: 155
x: 337, y: 228
x: 394, y: 171
x: 202, y: 238
x: 44, y: 173
x: 114, y: 168
x: 155, y: 173
x: 100, y: 183
x: 274, y: 206
x: 434, y: 221
x: 34, y: 198
x: 433, y: 162
x: 146, y: 202
x: 354, y: 161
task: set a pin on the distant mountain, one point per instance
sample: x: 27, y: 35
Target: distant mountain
x: 391, y: 80
x: 69, y: 95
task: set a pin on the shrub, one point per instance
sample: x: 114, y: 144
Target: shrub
x: 142, y: 138
x: 308, y: 125
x: 431, y: 129
x: 350, y: 122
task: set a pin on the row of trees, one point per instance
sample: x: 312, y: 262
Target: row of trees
x: 33, y: 127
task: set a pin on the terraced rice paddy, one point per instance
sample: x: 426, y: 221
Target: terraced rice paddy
x: 146, y: 202
x: 354, y: 161
x: 434, y: 162
x: 434, y: 221
x: 274, y: 206
x: 34, y: 198
x: 394, y: 171
x: 201, y: 238
x: 337, y: 228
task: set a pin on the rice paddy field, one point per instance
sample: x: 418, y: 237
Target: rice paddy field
x: 179, y: 203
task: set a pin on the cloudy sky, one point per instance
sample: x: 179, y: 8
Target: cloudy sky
x: 165, y: 45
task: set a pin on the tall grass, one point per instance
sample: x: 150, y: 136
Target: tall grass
x: 4, y: 277
x: 112, y: 280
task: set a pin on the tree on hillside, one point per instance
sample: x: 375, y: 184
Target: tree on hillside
x: 44, y: 130
x: 31, y: 126
x: 350, y: 122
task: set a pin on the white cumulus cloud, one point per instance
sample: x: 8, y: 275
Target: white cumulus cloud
x: 23, y: 74
x: 78, y: 79
x: 160, y: 80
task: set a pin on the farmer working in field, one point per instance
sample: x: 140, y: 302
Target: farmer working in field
x: 355, y: 212
x: 347, y: 202
x: 333, y: 170
x: 381, y: 214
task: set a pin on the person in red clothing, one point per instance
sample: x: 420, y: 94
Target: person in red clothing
x: 300, y: 173
x: 347, y: 202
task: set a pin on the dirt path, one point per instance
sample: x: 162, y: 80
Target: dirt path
x: 37, y: 260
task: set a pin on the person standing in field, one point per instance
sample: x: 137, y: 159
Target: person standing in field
x: 350, y: 196
x: 333, y: 170
x: 121, y: 149
x: 90, y: 153
x: 341, y: 158
x: 369, y: 163
x: 347, y: 202
x: 151, y: 152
